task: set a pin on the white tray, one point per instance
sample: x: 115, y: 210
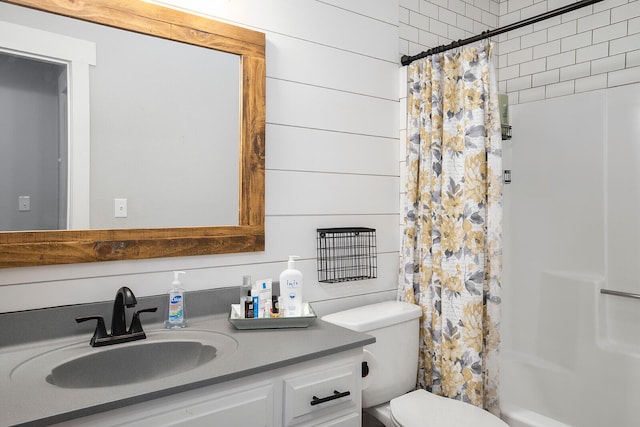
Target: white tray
x: 308, y: 317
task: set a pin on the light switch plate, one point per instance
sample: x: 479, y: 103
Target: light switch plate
x: 120, y: 208
x: 24, y: 203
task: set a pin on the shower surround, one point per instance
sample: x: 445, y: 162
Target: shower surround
x: 571, y: 355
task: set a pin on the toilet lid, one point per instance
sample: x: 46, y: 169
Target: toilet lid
x: 423, y: 409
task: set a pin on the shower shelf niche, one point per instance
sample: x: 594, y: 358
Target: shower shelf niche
x: 506, y: 132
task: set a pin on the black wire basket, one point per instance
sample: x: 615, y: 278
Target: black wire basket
x: 346, y: 254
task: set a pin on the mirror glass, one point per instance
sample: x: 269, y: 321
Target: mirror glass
x: 164, y: 134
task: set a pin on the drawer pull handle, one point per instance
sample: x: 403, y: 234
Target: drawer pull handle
x: 336, y: 395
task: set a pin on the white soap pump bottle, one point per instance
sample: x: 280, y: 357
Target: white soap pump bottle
x: 291, y: 289
x: 176, y: 317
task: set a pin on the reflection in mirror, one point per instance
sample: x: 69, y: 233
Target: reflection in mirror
x: 33, y: 153
x: 164, y: 134
x: 245, y: 47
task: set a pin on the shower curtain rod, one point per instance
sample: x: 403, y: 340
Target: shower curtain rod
x: 406, y: 60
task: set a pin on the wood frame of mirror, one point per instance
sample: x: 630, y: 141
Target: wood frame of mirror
x: 30, y: 248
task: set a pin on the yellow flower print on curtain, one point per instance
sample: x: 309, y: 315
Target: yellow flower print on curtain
x: 452, y: 247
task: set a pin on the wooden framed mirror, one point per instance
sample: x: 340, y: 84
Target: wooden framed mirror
x: 30, y: 248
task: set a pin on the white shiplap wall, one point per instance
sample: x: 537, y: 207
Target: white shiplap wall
x: 332, y: 159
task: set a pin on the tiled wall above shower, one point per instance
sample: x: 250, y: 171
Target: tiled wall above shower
x: 591, y: 48
x: 425, y: 24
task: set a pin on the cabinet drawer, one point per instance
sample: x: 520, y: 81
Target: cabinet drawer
x: 320, y: 392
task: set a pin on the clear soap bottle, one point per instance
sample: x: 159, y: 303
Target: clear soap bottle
x: 176, y: 318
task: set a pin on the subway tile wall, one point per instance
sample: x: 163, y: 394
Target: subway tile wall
x: 425, y: 24
x: 591, y: 48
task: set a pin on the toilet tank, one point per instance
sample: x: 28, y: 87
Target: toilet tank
x: 393, y: 358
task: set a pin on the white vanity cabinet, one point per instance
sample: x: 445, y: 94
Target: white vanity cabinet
x: 321, y: 392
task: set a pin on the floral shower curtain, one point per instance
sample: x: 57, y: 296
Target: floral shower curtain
x: 452, y: 246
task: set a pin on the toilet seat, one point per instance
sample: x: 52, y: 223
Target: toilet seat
x: 423, y: 409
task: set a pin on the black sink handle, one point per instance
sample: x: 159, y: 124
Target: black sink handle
x: 101, y: 330
x: 136, y: 326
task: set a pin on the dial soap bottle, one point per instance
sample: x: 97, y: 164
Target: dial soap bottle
x: 291, y: 289
x: 176, y: 317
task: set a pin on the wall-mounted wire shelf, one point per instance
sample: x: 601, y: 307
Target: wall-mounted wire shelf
x: 347, y: 253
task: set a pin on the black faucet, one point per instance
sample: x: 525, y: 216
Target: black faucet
x: 119, y: 333
x: 124, y: 298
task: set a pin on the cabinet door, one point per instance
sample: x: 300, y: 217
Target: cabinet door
x: 253, y: 407
x: 247, y: 406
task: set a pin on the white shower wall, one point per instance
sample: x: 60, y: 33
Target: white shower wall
x: 571, y: 353
x: 554, y: 207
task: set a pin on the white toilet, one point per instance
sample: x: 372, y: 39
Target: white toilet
x: 393, y: 362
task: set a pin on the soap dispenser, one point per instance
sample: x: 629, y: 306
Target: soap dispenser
x: 291, y: 289
x: 176, y: 317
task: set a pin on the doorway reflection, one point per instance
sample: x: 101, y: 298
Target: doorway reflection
x: 33, y: 148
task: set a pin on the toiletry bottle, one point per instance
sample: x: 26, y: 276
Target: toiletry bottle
x: 245, y: 290
x: 291, y: 290
x: 274, y: 306
x: 176, y: 317
x: 264, y: 293
x: 248, y: 307
x: 255, y: 298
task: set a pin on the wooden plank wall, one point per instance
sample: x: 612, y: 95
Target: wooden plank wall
x: 333, y: 155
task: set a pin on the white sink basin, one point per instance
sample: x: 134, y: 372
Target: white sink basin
x: 162, y: 354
